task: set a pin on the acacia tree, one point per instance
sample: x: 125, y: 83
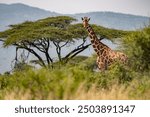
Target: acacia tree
x: 38, y: 36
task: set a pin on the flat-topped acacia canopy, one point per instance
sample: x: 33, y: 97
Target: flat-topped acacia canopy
x: 49, y: 28
x: 56, y: 30
x: 53, y: 28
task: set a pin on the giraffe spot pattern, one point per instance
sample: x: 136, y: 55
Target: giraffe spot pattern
x: 105, y: 55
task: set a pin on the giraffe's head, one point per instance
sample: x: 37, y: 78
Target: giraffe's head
x: 85, y: 21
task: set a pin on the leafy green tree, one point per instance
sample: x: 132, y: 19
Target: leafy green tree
x: 38, y: 36
x: 137, y: 46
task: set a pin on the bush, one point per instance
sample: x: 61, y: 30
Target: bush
x: 42, y: 83
x: 138, y: 49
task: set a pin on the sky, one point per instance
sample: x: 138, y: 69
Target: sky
x: 136, y: 7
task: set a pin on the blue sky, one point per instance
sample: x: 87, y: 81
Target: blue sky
x: 137, y: 7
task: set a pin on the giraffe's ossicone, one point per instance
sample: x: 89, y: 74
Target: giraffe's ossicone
x: 106, y: 56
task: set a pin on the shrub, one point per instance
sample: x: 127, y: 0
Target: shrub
x: 138, y: 49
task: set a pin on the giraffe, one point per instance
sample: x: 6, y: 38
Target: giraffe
x: 105, y: 55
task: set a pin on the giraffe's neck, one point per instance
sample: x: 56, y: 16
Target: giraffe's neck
x: 97, y: 45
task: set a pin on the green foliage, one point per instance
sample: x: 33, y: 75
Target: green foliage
x: 88, y: 64
x: 100, y: 31
x: 117, y: 73
x: 65, y: 82
x: 21, y: 66
x: 137, y: 47
x: 43, y: 82
x: 141, y: 86
x: 78, y: 30
x: 51, y: 28
x: 54, y: 28
x: 108, y: 33
x: 76, y: 61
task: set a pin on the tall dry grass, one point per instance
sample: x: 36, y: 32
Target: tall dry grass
x: 115, y: 93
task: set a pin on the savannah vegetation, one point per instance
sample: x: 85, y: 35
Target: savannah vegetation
x: 72, y: 76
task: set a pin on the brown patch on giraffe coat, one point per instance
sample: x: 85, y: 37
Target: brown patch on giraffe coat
x: 92, y: 33
x: 96, y: 50
x: 106, y: 57
x: 96, y: 42
x: 92, y: 41
x: 97, y: 46
x: 91, y: 37
x: 104, y: 53
x: 94, y: 46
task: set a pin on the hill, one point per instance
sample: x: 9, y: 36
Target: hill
x: 115, y: 20
x: 17, y: 13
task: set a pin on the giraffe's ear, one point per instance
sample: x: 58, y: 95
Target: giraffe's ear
x: 89, y: 19
x: 82, y: 18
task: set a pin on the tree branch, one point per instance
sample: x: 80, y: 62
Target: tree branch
x: 58, y: 50
x: 74, y: 52
x: 64, y: 44
x: 2, y: 40
x: 23, y: 46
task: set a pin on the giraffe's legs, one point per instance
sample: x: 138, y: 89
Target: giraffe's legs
x: 101, y: 64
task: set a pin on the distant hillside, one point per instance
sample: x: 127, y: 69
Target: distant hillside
x: 17, y: 13
x: 115, y: 20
